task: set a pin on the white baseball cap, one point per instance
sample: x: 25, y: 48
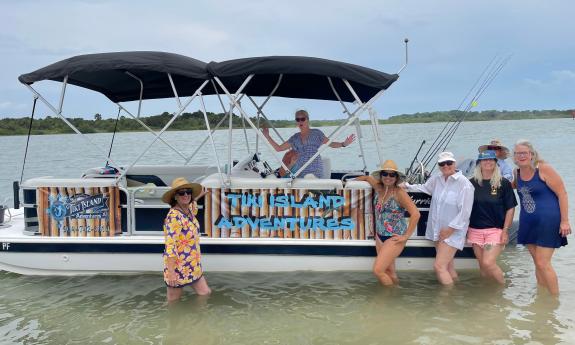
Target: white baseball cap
x: 445, y: 156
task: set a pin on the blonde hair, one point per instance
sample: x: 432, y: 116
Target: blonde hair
x: 302, y: 112
x: 495, y: 180
x: 535, y: 157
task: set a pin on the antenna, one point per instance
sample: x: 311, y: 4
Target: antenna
x: 406, y: 40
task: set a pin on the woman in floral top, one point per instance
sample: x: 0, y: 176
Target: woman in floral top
x: 390, y: 203
x: 182, y: 254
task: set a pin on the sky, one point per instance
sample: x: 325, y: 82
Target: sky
x: 451, y: 42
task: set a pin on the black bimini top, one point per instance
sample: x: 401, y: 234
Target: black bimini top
x: 106, y: 73
x: 303, y: 77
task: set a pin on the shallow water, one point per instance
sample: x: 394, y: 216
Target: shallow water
x: 297, y: 307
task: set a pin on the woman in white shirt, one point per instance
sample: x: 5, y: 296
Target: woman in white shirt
x: 451, y: 203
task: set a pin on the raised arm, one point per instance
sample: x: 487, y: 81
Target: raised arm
x: 426, y: 188
x: 370, y: 179
x: 554, y: 181
x: 285, y: 146
x: 338, y: 144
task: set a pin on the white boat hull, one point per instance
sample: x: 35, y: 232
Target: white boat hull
x: 37, y: 255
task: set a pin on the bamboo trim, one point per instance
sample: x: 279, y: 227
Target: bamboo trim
x: 245, y: 212
x: 208, y: 212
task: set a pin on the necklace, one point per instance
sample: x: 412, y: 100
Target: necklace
x: 186, y: 213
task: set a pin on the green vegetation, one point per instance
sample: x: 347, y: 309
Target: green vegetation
x: 189, y: 121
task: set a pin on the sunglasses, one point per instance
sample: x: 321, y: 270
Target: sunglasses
x: 300, y: 119
x: 448, y: 163
x: 390, y: 174
x: 183, y: 192
x: 494, y: 148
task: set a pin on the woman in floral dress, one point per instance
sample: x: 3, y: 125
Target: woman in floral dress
x: 390, y: 203
x: 182, y: 256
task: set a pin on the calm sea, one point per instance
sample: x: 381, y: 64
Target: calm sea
x: 298, y: 307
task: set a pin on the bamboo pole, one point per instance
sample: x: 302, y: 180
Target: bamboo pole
x: 369, y: 217
x: 216, y: 210
x: 225, y: 202
x: 117, y: 212
x: 272, y: 212
x: 361, y: 214
x: 235, y: 211
x: 73, y: 221
x: 255, y: 213
x: 111, y: 209
x: 64, y: 222
x: 41, y: 210
x: 355, y: 213
x: 264, y: 211
x: 54, y: 231
x: 245, y: 212
x: 208, y: 212
x: 288, y: 213
x: 105, y: 223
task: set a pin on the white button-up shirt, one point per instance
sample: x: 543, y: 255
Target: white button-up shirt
x: 451, y: 203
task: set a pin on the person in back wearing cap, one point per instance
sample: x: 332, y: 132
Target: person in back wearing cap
x: 451, y: 203
x: 182, y: 265
x: 502, y: 153
x: 390, y: 203
x: 492, y: 214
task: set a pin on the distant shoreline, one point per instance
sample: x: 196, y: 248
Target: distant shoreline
x: 195, y: 121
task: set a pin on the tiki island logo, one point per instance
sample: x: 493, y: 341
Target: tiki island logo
x: 327, y: 203
x: 79, y: 206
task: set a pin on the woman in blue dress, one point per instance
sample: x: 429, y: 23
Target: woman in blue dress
x: 390, y: 203
x: 305, y: 144
x: 544, y: 218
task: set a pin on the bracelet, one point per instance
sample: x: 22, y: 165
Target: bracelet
x: 342, y: 144
x: 505, y: 228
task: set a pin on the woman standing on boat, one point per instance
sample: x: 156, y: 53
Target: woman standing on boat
x: 390, y: 203
x: 544, y: 218
x: 492, y: 214
x: 305, y: 144
x: 451, y: 202
x: 182, y: 254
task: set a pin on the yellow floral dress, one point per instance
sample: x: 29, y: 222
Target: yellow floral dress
x: 182, y: 241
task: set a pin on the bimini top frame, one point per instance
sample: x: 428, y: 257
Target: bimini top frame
x: 307, y: 78
x: 131, y: 76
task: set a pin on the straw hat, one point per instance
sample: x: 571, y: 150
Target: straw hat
x: 181, y: 183
x: 494, y: 144
x: 388, y: 165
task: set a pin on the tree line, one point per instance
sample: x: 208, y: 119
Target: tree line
x: 195, y: 121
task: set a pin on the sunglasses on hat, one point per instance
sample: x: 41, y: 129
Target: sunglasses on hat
x: 448, y: 163
x: 183, y: 192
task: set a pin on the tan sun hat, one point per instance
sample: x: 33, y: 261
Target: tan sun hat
x: 388, y: 165
x: 494, y: 144
x: 181, y: 183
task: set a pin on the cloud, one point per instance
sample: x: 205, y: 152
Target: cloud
x: 553, y: 80
x: 7, y: 105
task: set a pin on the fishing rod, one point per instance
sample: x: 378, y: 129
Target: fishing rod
x: 443, y: 139
x: 431, y: 149
x: 493, y: 73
